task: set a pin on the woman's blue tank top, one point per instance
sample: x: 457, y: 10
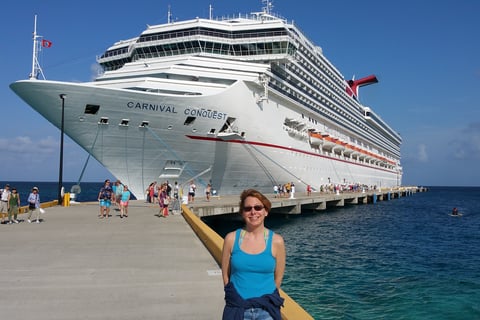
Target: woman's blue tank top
x: 252, y: 274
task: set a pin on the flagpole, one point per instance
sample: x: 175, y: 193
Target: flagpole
x: 34, y: 55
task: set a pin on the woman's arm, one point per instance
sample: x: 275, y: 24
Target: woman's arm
x: 280, y: 256
x: 226, y: 255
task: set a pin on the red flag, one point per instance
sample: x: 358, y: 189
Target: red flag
x: 46, y: 43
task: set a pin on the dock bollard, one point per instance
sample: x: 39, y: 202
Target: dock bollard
x: 66, y: 199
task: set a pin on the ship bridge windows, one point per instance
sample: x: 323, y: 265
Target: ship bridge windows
x: 222, y: 48
x: 91, y: 109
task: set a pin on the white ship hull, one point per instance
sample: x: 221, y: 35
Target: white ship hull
x: 268, y: 155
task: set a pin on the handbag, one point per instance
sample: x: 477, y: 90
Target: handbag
x: 31, y: 206
x: 165, y: 202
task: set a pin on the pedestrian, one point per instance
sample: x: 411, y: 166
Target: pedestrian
x: 118, y: 193
x: 13, y: 205
x: 124, y: 198
x: 275, y: 191
x: 175, y: 190
x: 163, y: 201
x: 4, y: 202
x: 309, y: 190
x: 253, y: 263
x: 151, y: 192
x: 208, y: 191
x: 191, y: 191
x: 105, y: 197
x: 34, y: 204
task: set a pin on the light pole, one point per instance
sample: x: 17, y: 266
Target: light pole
x: 60, y: 171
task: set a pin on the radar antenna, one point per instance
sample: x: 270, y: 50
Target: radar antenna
x: 169, y: 15
x: 36, y: 68
x: 268, y: 6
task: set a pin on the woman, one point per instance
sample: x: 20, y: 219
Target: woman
x: 105, y: 197
x: 33, y: 204
x: 253, y: 264
x: 13, y: 205
x: 163, y: 201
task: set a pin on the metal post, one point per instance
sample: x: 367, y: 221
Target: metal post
x: 60, y: 172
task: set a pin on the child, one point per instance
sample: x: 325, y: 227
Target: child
x: 125, y: 197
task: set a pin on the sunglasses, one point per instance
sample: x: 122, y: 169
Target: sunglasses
x: 256, y: 208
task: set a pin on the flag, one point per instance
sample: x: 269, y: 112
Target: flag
x: 46, y: 43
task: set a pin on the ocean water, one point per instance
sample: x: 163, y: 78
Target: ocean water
x: 49, y: 190
x: 405, y: 258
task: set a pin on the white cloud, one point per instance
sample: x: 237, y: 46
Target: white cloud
x: 422, y: 154
x: 24, y: 146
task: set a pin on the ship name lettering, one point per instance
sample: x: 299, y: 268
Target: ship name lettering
x: 151, y: 107
x: 205, y: 113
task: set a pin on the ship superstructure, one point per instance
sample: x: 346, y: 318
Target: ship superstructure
x: 238, y: 102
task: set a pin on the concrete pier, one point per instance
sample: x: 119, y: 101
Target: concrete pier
x: 74, y: 265
x: 317, y: 201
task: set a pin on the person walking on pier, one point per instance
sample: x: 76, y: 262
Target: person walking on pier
x: 13, y: 205
x: 105, y: 196
x: 253, y: 264
x: 208, y: 191
x: 191, y: 191
x: 4, y: 202
x: 163, y: 201
x: 33, y: 205
x: 124, y: 198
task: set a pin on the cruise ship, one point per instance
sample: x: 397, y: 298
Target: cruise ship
x: 239, y: 102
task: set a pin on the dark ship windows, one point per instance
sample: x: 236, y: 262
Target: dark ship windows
x: 91, y: 109
x: 103, y: 120
x: 144, y: 124
x: 124, y: 123
x: 189, y: 121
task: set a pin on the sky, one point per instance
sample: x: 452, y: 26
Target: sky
x: 424, y: 53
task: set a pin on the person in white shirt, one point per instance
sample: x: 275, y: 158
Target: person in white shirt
x: 4, y: 202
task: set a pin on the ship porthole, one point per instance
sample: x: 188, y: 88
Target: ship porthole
x: 81, y: 119
x: 170, y: 127
x: 194, y: 130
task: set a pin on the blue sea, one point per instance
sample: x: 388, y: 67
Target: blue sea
x: 405, y: 258
x: 49, y: 190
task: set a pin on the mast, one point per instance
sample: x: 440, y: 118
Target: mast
x: 36, y: 69
x: 33, y: 74
x: 169, y: 15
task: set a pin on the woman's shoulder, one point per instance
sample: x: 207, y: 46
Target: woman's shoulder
x: 230, y: 237
x: 277, y: 239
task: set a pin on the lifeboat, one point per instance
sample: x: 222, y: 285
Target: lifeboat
x: 315, y: 138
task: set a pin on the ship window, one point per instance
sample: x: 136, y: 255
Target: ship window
x: 189, y: 121
x: 103, y: 120
x: 124, y: 122
x: 91, y: 109
x: 212, y: 131
x: 144, y: 124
